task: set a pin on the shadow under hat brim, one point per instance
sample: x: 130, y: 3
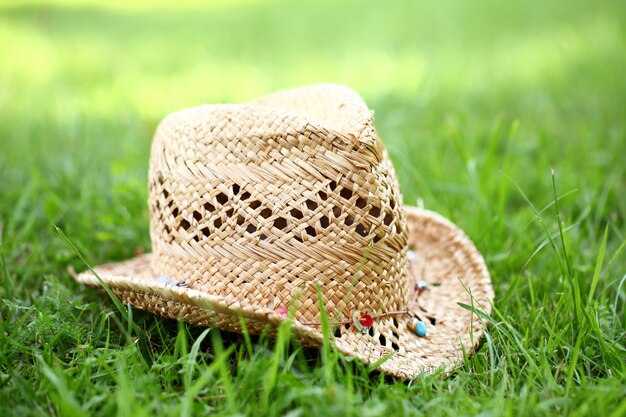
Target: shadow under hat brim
x: 441, y: 254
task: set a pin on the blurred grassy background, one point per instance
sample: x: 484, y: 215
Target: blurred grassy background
x: 465, y: 95
x: 476, y: 101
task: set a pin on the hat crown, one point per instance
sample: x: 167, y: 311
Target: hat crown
x: 266, y: 202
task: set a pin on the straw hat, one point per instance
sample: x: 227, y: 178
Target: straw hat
x: 255, y: 208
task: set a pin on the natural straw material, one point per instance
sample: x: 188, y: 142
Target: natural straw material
x: 255, y: 207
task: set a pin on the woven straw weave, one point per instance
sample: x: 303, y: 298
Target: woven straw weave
x: 257, y: 207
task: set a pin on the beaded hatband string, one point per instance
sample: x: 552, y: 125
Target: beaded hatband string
x: 363, y: 319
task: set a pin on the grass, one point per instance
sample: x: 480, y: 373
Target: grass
x: 507, y: 118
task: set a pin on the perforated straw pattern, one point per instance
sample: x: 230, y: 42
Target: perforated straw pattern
x: 254, y: 207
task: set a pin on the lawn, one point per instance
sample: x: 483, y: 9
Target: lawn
x: 506, y: 117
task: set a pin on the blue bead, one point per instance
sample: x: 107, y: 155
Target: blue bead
x: 420, y: 330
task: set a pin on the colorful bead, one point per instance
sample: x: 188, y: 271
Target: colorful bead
x: 363, y: 320
x: 420, y: 330
x: 417, y: 326
x: 420, y: 286
x: 281, y: 312
x: 167, y: 281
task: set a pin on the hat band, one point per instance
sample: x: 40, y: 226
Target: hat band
x: 364, y: 320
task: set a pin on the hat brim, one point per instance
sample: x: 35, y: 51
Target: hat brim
x: 442, y: 255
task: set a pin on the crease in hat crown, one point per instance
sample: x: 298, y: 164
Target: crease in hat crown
x: 262, y: 205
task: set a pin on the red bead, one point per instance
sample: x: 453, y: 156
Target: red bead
x: 363, y: 320
x: 366, y: 320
